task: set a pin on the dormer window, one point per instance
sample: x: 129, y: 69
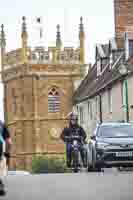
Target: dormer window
x: 104, y: 62
x: 98, y: 67
x: 111, y: 60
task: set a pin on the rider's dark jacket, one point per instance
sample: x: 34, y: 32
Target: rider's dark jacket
x: 73, y: 130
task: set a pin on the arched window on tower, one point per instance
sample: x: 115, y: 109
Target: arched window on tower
x: 53, y: 100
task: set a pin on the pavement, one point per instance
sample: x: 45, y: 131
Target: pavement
x: 107, y: 185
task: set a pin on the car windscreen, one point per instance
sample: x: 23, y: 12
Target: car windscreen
x: 116, y: 131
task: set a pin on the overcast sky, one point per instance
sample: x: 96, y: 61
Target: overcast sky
x: 98, y: 18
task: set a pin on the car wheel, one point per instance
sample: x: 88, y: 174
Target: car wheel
x: 90, y: 169
x: 95, y: 168
x: 89, y: 161
x: 98, y: 169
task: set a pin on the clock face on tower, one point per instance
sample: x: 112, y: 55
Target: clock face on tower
x: 55, y: 133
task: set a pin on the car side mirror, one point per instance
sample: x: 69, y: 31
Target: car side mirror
x: 93, y: 137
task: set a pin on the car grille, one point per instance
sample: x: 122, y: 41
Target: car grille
x: 119, y: 150
x: 110, y: 155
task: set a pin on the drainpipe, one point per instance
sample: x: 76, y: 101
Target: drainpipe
x: 100, y: 108
x: 126, y: 100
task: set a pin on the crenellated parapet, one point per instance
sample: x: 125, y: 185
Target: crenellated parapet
x: 53, y: 55
x: 13, y: 58
x: 40, y: 55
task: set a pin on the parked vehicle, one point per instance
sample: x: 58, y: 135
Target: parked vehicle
x: 111, y: 145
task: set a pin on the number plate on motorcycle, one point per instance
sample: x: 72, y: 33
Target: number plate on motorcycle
x: 124, y: 154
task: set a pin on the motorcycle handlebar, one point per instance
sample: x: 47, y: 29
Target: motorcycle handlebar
x: 73, y: 137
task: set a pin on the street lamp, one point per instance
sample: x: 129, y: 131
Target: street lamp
x: 124, y: 71
x: 100, y: 108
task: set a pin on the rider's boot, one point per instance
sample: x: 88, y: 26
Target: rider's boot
x: 68, y: 164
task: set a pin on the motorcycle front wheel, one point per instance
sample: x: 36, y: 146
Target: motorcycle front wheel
x: 75, y: 161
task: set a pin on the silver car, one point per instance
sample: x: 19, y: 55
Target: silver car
x: 111, y: 145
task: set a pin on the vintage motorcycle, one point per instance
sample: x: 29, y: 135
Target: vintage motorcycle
x: 75, y: 141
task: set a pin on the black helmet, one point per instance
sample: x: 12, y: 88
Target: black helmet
x: 73, y: 116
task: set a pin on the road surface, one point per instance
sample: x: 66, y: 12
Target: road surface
x: 82, y: 186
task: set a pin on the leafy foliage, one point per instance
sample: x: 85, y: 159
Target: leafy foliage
x: 44, y: 164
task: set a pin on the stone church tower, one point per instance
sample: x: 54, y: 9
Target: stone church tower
x: 38, y: 89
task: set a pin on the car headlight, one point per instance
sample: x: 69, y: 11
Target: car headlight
x: 130, y: 145
x: 101, y: 145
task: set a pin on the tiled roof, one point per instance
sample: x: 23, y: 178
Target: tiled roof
x: 93, y: 84
x: 106, y: 49
x: 83, y: 88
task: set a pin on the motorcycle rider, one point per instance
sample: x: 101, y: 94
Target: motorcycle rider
x: 74, y: 129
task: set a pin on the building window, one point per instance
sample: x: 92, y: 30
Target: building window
x: 77, y: 109
x: 42, y: 57
x: 90, y: 109
x: 97, y: 104
x: 33, y: 56
x: 62, y: 57
x: 110, y: 100
x: 81, y: 115
x: 123, y: 98
x: 53, y: 101
x: 130, y: 48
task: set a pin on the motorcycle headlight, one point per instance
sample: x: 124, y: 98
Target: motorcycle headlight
x: 101, y: 145
x: 75, y: 142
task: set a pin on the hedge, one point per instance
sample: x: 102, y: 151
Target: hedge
x: 44, y: 164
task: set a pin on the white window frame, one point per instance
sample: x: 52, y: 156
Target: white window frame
x: 91, y: 112
x: 110, y: 100
x: 98, y: 67
x: 97, y: 104
x: 111, y: 60
x: 81, y: 110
